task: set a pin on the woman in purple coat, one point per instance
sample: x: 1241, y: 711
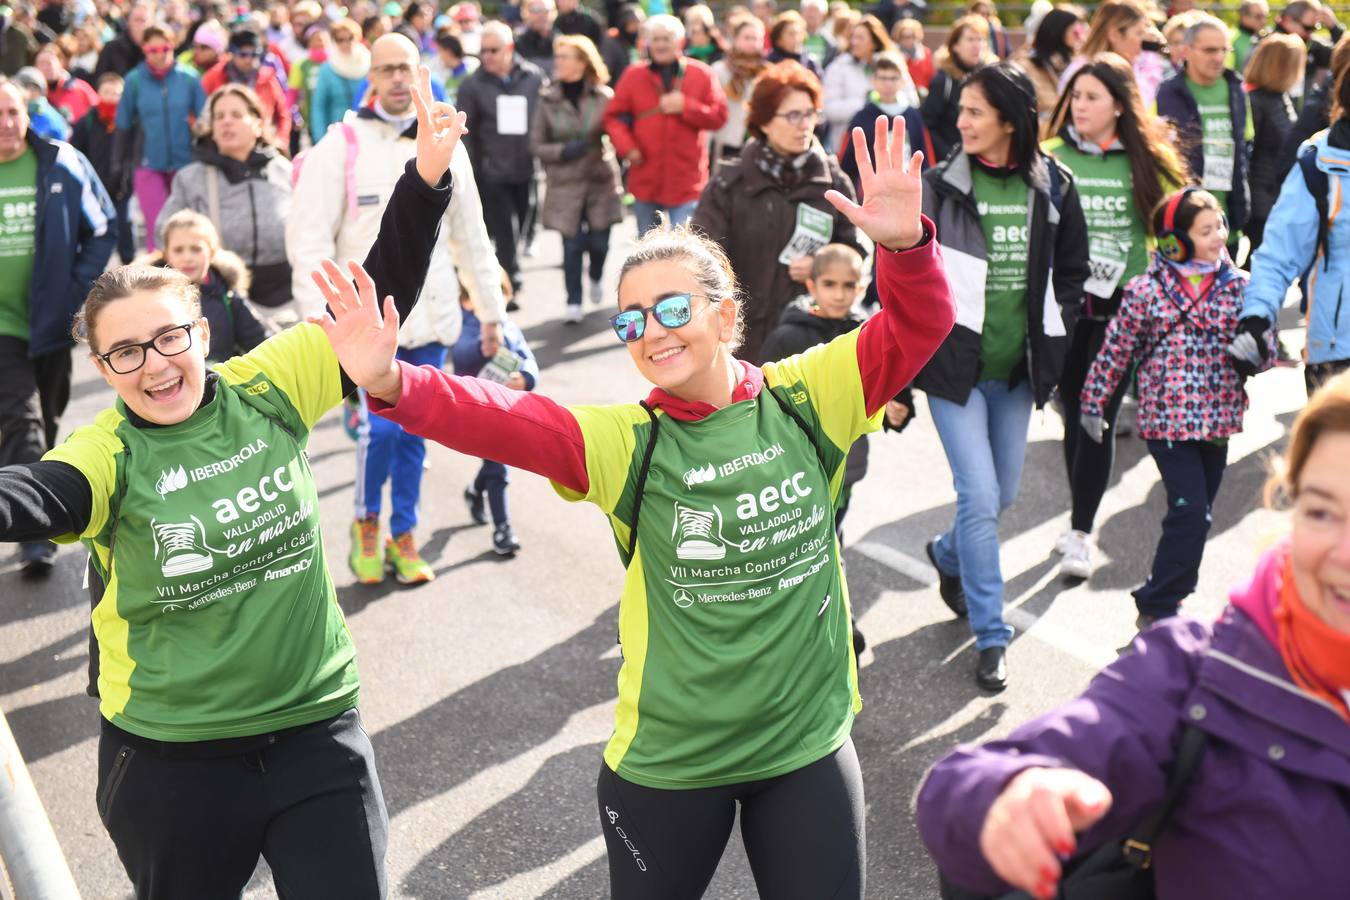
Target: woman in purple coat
x: 1267, y: 811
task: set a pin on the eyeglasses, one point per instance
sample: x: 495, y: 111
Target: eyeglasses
x: 674, y: 311
x: 129, y: 358
x: 389, y: 71
x: 799, y: 117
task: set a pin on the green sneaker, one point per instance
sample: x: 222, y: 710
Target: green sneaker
x: 366, y: 560
x: 401, y: 558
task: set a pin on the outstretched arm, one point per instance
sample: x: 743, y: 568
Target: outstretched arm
x: 917, y: 307
x: 43, y: 500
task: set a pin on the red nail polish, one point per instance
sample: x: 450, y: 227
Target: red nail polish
x: 1049, y: 875
x: 1047, y: 891
x: 1065, y: 848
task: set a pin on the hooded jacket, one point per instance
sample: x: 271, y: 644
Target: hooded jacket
x: 1177, y: 103
x: 462, y: 250
x: 75, y: 236
x: 1290, y: 247
x: 1056, y: 270
x: 235, y: 326
x: 254, y: 201
x: 752, y: 217
x: 1263, y: 816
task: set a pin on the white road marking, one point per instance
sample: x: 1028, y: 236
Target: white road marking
x: 901, y: 562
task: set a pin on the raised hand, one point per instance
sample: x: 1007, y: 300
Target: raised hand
x: 439, y: 128
x: 892, y: 191
x: 365, y: 341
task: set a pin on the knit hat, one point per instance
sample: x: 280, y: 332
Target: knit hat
x: 210, y: 35
x: 30, y: 77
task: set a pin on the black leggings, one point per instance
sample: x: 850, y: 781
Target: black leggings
x: 803, y: 833
x: 1088, y: 463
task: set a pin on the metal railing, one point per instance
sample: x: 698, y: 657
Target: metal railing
x: 29, y: 851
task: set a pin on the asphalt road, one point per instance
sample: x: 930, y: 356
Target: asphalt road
x: 489, y: 693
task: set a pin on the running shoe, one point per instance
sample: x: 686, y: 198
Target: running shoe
x: 1062, y: 542
x: 504, y: 541
x: 366, y: 560
x: 401, y: 558
x: 1077, y: 561
x: 477, y: 506
x: 574, y: 315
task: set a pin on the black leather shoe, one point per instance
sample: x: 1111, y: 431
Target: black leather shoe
x: 991, y: 673
x: 949, y: 586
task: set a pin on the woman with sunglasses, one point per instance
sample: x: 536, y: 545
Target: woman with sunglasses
x: 739, y: 681
x: 159, y: 103
x: 225, y: 673
x: 767, y: 210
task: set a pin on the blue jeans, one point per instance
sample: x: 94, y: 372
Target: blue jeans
x: 385, y: 452
x: 587, y: 241
x: 645, y: 213
x: 985, y: 442
x: 493, y: 477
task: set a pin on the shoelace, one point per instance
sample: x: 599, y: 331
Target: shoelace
x: 370, y: 537
x: 405, y: 546
x: 694, y: 522
x: 176, y: 536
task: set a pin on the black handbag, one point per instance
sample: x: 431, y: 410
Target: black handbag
x: 1118, y: 870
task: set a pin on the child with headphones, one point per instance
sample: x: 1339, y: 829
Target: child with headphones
x: 1175, y: 321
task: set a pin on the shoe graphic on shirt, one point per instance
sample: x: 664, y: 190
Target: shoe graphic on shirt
x: 698, y: 533
x: 181, y: 547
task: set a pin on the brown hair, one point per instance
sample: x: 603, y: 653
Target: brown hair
x: 596, y: 70
x: 1327, y: 412
x: 247, y: 97
x: 836, y: 255
x: 782, y: 22
x: 1111, y: 17
x: 703, y: 257
x: 945, y: 58
x: 1340, y: 66
x: 123, y: 282
x: 773, y: 85
x: 1277, y: 63
x: 881, y: 41
x: 1155, y: 164
x: 1195, y: 202
x: 156, y: 29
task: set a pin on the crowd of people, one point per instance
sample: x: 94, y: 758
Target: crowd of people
x: 1100, y: 212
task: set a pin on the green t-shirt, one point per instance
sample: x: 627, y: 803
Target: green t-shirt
x: 737, y: 654
x: 1117, y: 241
x: 1002, y: 205
x: 219, y: 618
x: 1216, y: 125
x: 18, y: 233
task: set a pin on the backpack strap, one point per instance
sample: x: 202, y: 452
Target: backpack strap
x: 1318, y: 185
x: 349, y: 169
x: 1138, y: 847
x: 806, y: 429
x: 642, y: 479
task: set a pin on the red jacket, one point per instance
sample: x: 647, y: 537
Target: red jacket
x: 74, y: 98
x: 269, y: 91
x: 674, y: 148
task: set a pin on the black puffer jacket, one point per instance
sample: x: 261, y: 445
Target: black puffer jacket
x: 1272, y: 117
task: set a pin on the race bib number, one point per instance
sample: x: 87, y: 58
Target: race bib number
x: 500, y: 367
x: 814, y: 230
x: 1106, y: 265
x: 512, y: 114
x: 1218, y: 175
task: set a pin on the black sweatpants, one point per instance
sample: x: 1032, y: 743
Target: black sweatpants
x: 803, y: 832
x: 1316, y: 375
x: 33, y: 395
x: 506, y: 211
x: 308, y: 800
x: 1087, y: 462
x: 1191, y: 472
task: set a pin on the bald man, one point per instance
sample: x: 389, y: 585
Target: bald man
x: 336, y: 212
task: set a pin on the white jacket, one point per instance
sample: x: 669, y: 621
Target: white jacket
x: 847, y: 85
x: 319, y: 228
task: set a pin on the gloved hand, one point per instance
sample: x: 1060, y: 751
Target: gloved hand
x: 574, y: 149
x: 1248, y: 348
x: 1095, y: 426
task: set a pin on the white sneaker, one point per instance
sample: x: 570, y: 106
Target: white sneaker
x: 597, y: 293
x: 574, y: 314
x: 1062, y: 542
x: 1077, y: 562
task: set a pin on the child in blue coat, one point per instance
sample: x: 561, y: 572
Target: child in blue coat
x: 515, y: 366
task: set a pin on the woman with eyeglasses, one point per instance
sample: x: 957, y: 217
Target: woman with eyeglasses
x: 738, y: 683
x: 160, y: 101
x: 225, y: 673
x: 767, y: 210
x: 340, y: 77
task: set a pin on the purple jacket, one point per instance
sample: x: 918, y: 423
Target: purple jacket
x: 1266, y: 816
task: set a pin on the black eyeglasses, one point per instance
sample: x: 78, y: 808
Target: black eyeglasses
x: 673, y: 311
x: 127, y: 359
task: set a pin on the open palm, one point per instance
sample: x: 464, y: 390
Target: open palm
x: 892, y: 191
x: 439, y: 128
x: 364, y: 340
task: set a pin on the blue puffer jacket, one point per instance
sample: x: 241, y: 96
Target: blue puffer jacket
x: 1291, y: 246
x: 165, y: 109
x: 76, y: 233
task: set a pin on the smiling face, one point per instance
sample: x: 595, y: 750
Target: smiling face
x: 1094, y: 109
x: 1320, y: 538
x: 1209, y: 234
x: 688, y: 361
x: 165, y: 390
